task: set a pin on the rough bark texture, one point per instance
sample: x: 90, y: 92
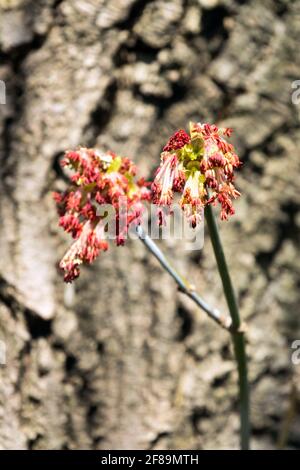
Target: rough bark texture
x: 119, y: 359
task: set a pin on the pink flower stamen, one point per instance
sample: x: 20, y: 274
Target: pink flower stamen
x: 203, y: 161
x: 99, y: 179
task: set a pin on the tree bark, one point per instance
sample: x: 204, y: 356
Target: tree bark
x: 119, y: 359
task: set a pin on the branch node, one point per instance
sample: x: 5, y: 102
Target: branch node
x: 242, y: 329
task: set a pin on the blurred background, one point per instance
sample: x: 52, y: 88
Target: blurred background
x: 120, y: 359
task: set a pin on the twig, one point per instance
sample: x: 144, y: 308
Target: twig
x: 183, y: 285
x: 236, y: 329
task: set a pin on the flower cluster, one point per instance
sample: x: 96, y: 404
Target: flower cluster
x: 100, y: 182
x: 201, y: 167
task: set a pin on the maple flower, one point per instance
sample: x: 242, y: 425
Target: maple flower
x: 98, y: 179
x: 200, y: 167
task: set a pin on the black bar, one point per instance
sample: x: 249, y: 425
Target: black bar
x: 139, y: 458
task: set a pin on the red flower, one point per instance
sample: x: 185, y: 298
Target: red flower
x: 200, y: 167
x: 99, y: 179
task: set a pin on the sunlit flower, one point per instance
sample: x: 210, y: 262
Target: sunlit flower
x: 200, y: 167
x: 193, y: 198
x: 98, y: 180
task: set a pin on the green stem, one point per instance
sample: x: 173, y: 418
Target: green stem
x: 237, y: 334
